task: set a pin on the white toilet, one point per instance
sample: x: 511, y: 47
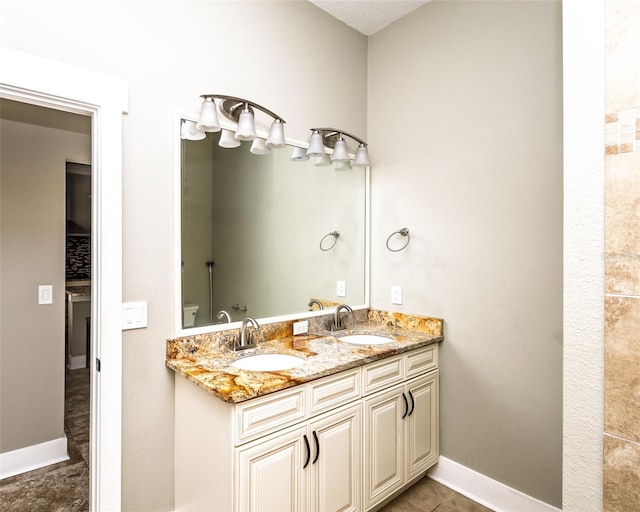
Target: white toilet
x: 189, y: 312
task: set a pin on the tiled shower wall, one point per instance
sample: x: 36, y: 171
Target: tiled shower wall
x: 78, y: 258
x: 622, y: 258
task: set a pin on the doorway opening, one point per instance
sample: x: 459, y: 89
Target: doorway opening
x: 47, y: 83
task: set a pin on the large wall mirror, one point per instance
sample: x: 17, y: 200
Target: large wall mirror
x: 262, y: 235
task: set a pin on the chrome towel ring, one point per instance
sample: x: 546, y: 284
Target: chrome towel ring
x: 403, y: 232
x: 335, y: 236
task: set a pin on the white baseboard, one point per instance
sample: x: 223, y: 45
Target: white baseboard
x: 484, y: 490
x: 77, y: 362
x: 33, y: 457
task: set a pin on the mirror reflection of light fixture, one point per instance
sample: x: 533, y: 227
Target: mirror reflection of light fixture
x: 227, y: 140
x: 241, y: 111
x: 299, y: 154
x: 344, y: 166
x: 322, y: 161
x: 335, y: 139
x: 258, y: 147
x: 190, y: 131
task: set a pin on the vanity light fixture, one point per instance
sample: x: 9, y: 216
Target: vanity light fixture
x: 240, y: 111
x: 335, y: 139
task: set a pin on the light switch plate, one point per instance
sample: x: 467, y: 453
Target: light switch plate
x: 134, y: 315
x: 341, y: 289
x: 45, y: 294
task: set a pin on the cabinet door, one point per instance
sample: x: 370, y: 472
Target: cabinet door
x: 335, y: 469
x: 383, y: 444
x: 270, y: 475
x: 421, y: 424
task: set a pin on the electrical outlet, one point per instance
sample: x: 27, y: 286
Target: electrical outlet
x: 301, y: 327
x: 396, y: 295
x: 341, y: 289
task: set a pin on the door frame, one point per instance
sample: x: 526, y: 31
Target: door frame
x: 32, y: 79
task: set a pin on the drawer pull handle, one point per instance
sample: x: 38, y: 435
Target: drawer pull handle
x: 306, y: 443
x: 413, y: 404
x: 315, y: 438
x: 406, y: 406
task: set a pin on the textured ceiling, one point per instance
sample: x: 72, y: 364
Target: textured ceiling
x: 368, y: 16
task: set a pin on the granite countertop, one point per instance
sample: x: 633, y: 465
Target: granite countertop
x: 207, y: 360
x: 78, y: 288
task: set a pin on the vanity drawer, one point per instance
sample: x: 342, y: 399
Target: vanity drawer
x: 262, y: 416
x: 333, y: 391
x: 382, y: 374
x: 422, y: 360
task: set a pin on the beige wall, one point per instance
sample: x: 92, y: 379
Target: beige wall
x: 289, y: 56
x: 622, y: 275
x: 465, y: 126
x: 32, y: 227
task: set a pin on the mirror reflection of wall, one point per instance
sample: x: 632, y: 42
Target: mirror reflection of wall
x: 260, y: 220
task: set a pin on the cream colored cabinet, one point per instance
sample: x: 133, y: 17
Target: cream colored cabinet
x: 383, y: 444
x: 270, y: 474
x: 336, y: 469
x: 313, y: 467
x: 400, y: 431
x: 341, y: 443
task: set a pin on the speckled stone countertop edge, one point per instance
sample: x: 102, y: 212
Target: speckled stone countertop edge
x: 208, y: 362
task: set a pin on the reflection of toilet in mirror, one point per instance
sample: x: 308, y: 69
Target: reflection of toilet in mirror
x: 190, y: 312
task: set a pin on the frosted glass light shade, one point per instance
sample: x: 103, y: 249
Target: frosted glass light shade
x: 258, y: 147
x: 227, y: 140
x: 189, y: 131
x: 362, y: 157
x: 299, y: 154
x: 276, y: 135
x: 246, y: 129
x: 316, y: 145
x: 208, y: 120
x: 340, y: 151
x: 322, y: 161
x: 343, y: 166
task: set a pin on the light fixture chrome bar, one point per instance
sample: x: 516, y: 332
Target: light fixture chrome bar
x: 331, y: 135
x: 232, y: 106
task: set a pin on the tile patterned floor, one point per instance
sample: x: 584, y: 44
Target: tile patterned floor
x: 430, y: 496
x: 62, y: 487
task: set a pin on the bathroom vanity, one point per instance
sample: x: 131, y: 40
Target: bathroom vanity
x: 348, y: 429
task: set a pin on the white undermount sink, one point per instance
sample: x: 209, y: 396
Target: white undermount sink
x: 268, y: 362
x: 365, y: 339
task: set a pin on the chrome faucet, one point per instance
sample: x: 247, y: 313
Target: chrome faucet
x: 224, y: 315
x: 246, y: 340
x: 338, y: 324
x: 316, y: 302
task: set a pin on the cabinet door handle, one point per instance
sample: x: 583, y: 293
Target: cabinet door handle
x: 315, y: 438
x: 306, y: 443
x: 413, y: 404
x: 406, y: 406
